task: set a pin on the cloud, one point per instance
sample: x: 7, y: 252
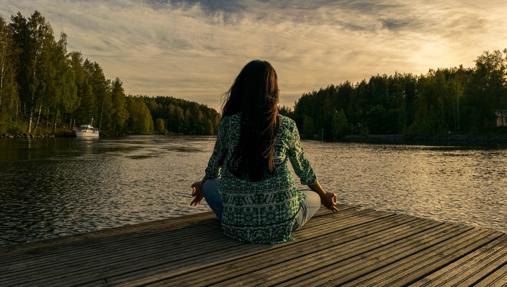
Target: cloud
x: 194, y: 49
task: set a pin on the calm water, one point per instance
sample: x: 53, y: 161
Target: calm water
x: 56, y: 187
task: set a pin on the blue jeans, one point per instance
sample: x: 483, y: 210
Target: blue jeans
x: 308, y: 208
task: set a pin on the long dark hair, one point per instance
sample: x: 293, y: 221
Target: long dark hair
x: 254, y: 94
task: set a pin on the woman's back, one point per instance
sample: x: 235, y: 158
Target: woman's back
x: 260, y: 211
x: 247, y: 182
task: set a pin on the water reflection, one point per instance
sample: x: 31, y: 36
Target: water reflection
x: 459, y: 185
x: 56, y: 187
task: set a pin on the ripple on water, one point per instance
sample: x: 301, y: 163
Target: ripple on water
x: 62, y: 187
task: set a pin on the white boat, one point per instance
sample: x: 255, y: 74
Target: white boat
x: 87, y: 132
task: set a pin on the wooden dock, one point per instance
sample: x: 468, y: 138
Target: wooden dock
x: 354, y: 247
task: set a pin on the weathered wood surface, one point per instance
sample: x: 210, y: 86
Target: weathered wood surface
x: 354, y: 247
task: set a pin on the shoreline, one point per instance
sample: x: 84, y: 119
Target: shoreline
x: 489, y: 140
x: 486, y: 140
x: 59, y: 134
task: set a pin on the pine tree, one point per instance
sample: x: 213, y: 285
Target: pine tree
x: 9, y: 101
x: 120, y: 113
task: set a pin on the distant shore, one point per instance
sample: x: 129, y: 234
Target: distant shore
x: 69, y: 134
x: 62, y: 133
x: 21, y: 136
x: 450, y: 140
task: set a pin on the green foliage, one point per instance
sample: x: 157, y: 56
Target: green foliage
x: 486, y: 89
x: 160, y: 126
x: 456, y: 100
x: 9, y: 100
x: 339, y: 125
x: 139, y: 121
x: 309, y: 130
x: 382, y: 121
x: 44, y: 88
x: 120, y: 114
x: 15, y: 128
x: 183, y: 117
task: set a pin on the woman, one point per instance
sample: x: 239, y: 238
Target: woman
x: 247, y: 182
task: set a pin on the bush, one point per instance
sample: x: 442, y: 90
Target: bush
x: 15, y: 128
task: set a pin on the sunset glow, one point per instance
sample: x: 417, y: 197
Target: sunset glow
x: 194, y: 49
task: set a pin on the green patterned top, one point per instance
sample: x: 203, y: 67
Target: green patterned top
x: 261, y: 211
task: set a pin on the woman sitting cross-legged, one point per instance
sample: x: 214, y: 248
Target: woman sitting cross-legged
x: 247, y: 182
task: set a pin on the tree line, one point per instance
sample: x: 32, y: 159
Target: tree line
x: 452, y: 100
x: 45, y: 89
x: 168, y: 115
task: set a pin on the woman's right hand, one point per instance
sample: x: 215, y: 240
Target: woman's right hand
x: 328, y: 199
x: 197, y: 192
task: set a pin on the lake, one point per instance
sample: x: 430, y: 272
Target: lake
x: 56, y: 187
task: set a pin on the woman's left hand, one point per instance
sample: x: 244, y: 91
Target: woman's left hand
x: 197, y: 192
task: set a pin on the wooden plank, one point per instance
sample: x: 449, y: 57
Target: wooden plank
x: 300, y: 237
x: 498, y: 278
x: 82, y: 245
x: 349, y: 267
x: 470, y: 268
x: 120, y: 269
x: 341, y: 207
x: 95, y: 266
x: 415, y: 266
x: 277, y: 273
x: 354, y: 246
x: 72, y: 265
x: 75, y: 243
x: 106, y: 234
x: 398, y: 268
x: 282, y: 253
x: 140, y: 231
x: 174, y: 238
x: 54, y: 259
x: 66, y: 254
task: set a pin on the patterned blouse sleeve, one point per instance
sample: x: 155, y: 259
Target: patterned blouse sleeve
x: 298, y: 160
x: 216, y: 160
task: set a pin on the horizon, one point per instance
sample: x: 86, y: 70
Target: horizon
x: 194, y: 49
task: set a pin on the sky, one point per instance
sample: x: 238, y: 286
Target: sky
x: 194, y: 49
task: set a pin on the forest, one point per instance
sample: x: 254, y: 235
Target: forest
x: 439, y: 103
x: 44, y: 89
